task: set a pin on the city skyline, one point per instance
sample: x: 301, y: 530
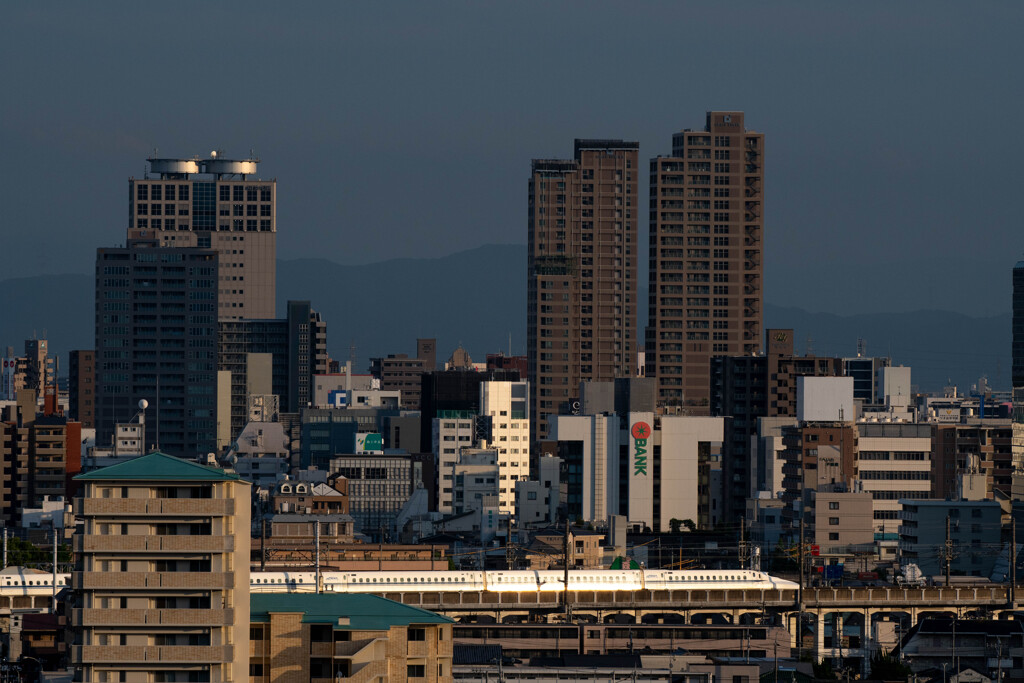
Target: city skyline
x: 395, y: 114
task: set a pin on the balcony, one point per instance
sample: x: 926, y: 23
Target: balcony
x: 150, y: 544
x: 141, y: 654
x: 154, y: 617
x: 176, y: 580
x: 184, y: 507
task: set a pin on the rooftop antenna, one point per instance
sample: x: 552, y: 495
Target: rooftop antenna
x: 861, y: 347
x: 809, y: 347
x: 143, y: 404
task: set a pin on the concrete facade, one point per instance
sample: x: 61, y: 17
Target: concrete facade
x: 163, y: 573
x: 706, y: 240
x: 82, y: 387
x: 647, y: 468
x: 582, y: 251
x: 506, y: 406
x: 156, y: 339
x: 218, y: 202
x: 325, y: 638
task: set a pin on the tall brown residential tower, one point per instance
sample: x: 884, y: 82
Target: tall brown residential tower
x: 706, y: 227
x: 582, y: 269
x: 229, y: 210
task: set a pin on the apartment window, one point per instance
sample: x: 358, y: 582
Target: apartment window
x: 416, y: 671
x: 833, y: 521
x: 833, y: 505
x: 417, y: 634
x: 833, y: 536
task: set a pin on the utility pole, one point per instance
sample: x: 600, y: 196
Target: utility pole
x: 743, y: 543
x: 948, y: 551
x: 316, y: 542
x: 263, y: 545
x: 1013, y: 562
x: 54, y: 529
x: 800, y: 592
x: 508, y: 546
x: 803, y: 578
x: 956, y: 667
x: 565, y: 551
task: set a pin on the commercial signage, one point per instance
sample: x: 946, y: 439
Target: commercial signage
x: 640, y: 451
x: 641, y: 431
x: 369, y: 443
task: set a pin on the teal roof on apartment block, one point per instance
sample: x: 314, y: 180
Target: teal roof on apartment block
x: 157, y: 466
x: 363, y: 612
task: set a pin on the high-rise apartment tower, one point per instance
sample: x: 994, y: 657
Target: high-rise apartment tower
x: 156, y: 339
x: 582, y: 270
x: 229, y: 211
x: 706, y: 226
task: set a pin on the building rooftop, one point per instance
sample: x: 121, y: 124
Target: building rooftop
x: 157, y: 466
x: 936, y: 502
x: 350, y: 612
x: 299, y: 517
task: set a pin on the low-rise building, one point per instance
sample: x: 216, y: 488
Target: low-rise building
x: 975, y: 529
x: 311, y: 497
x: 843, y: 523
x: 261, y: 453
x: 622, y: 458
x: 379, y: 486
x: 537, y: 501
x: 328, y: 637
x: 548, y: 548
x: 959, y: 644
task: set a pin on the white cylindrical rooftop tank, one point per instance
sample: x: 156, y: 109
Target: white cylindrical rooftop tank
x: 174, y: 166
x: 231, y: 166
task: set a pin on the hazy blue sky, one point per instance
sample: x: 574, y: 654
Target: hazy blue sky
x: 894, y: 146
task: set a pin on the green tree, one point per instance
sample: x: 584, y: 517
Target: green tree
x: 675, y: 525
x: 824, y: 670
x: 690, y: 526
x: 886, y: 667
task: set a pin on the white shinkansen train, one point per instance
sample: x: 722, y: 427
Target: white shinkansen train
x: 516, y: 581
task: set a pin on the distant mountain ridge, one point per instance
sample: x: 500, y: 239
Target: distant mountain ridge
x: 477, y: 298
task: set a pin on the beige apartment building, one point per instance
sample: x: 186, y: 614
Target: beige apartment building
x: 342, y: 637
x: 706, y: 227
x: 229, y: 210
x: 162, y: 576
x: 582, y: 254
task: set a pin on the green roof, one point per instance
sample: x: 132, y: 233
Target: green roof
x: 364, y: 612
x: 157, y: 466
